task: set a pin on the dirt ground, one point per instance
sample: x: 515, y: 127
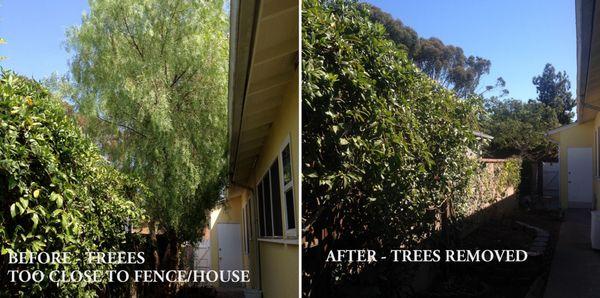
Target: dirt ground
x: 501, y: 279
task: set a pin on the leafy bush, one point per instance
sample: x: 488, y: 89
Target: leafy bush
x: 493, y: 182
x: 520, y: 128
x: 57, y: 193
x: 386, y: 151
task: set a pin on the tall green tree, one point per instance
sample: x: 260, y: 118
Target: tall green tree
x: 519, y: 128
x: 447, y: 64
x: 151, y: 82
x: 553, y: 90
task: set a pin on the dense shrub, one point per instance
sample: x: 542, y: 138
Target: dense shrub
x: 386, y: 152
x: 57, y: 193
x: 494, y: 181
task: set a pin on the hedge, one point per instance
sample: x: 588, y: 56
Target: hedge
x: 386, y: 152
x: 57, y: 193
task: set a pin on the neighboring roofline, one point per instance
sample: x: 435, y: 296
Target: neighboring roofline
x: 243, y: 18
x: 584, y: 11
x: 562, y: 128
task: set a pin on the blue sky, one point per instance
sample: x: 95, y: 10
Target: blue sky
x: 34, y: 31
x: 518, y: 36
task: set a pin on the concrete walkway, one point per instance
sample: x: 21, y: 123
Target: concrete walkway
x: 575, y: 270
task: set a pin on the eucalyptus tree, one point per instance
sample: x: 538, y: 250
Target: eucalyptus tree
x: 444, y: 63
x: 150, y: 81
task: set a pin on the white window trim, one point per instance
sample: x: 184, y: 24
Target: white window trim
x: 291, y: 233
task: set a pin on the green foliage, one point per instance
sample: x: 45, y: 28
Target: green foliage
x: 553, y: 90
x: 386, y: 149
x: 57, y: 193
x: 493, y: 182
x: 447, y: 64
x: 519, y: 128
x: 150, y: 82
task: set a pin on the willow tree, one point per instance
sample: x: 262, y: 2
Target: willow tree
x: 151, y: 81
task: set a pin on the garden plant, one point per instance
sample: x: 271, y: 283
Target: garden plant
x: 388, y: 153
x: 57, y: 192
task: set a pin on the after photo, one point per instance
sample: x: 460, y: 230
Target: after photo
x: 450, y: 149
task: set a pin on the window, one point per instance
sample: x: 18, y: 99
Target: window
x: 269, y: 193
x: 288, y: 190
x: 275, y: 198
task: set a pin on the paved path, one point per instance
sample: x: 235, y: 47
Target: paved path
x: 575, y: 270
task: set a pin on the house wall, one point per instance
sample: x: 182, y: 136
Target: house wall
x: 577, y: 136
x: 279, y: 258
x: 275, y: 271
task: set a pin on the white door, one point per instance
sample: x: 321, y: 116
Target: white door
x: 580, y: 176
x: 230, y: 246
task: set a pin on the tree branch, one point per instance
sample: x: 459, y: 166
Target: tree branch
x: 178, y: 77
x: 135, y: 45
x: 122, y: 125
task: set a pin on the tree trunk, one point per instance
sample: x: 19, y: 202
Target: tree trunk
x: 154, y: 241
x: 170, y: 261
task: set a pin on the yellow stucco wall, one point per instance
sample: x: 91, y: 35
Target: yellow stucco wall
x: 231, y: 212
x: 279, y: 269
x: 279, y: 261
x: 580, y: 135
x: 285, y: 126
x: 278, y: 274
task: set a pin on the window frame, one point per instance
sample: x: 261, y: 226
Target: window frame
x: 287, y: 234
x: 265, y: 188
x: 285, y: 187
